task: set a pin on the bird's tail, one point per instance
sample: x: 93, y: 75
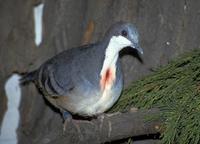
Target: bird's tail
x: 28, y: 77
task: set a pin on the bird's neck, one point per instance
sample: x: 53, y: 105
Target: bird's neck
x: 108, y: 71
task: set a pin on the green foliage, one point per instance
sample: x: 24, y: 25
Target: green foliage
x: 175, y: 89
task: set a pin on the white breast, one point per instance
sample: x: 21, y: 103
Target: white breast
x: 106, y: 101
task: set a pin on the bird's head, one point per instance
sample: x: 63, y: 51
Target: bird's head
x: 123, y: 35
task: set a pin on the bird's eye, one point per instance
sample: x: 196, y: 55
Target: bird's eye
x: 124, y: 33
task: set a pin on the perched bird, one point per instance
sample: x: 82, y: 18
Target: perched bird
x: 86, y: 80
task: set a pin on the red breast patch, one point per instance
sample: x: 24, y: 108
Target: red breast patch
x: 107, y: 78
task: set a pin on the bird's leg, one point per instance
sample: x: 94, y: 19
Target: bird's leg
x: 67, y: 118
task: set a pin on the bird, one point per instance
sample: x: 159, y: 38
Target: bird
x: 86, y: 80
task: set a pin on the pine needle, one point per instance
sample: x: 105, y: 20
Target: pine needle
x: 175, y: 89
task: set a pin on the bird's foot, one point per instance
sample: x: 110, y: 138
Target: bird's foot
x: 68, y: 120
x: 75, y: 123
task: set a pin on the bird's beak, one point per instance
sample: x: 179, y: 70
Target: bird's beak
x: 137, y: 47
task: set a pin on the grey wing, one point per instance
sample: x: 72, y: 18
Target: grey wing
x: 61, y: 75
x: 55, y: 79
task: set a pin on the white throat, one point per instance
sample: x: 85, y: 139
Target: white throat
x: 116, y: 44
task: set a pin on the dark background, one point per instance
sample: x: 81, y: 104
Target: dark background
x: 167, y: 29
